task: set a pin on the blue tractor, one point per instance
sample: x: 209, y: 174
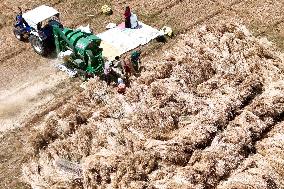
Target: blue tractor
x: 36, y: 26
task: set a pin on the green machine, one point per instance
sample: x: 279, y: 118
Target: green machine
x: 87, y: 54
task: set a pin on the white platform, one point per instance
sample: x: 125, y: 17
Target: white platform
x: 118, y: 40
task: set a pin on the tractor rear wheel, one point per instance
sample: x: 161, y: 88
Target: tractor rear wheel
x: 38, y: 45
x: 18, y: 34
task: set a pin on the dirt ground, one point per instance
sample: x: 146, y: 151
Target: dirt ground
x: 31, y: 87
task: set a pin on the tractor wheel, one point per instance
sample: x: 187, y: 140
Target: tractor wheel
x: 38, y: 45
x: 18, y: 34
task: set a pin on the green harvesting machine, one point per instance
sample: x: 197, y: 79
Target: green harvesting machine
x: 86, y: 52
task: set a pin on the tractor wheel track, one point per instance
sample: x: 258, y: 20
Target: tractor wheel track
x: 13, y: 54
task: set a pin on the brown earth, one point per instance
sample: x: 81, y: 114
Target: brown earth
x: 31, y: 88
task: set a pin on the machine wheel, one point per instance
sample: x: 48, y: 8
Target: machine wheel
x: 38, y: 45
x: 18, y: 34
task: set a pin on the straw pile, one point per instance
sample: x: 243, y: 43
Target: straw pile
x: 265, y: 168
x: 189, y: 121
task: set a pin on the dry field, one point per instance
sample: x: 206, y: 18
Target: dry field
x: 206, y: 112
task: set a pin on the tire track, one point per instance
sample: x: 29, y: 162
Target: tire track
x: 62, y: 97
x: 13, y: 54
x: 165, y: 7
x: 269, y: 28
x: 200, y: 21
x: 211, y: 16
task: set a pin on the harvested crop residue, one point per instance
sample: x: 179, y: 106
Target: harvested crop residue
x: 203, y: 117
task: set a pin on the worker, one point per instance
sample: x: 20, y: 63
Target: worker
x: 107, y: 72
x: 135, y: 60
x: 117, y: 67
x: 127, y: 67
x: 21, y: 23
x: 121, y: 87
x: 127, y: 15
x: 134, y: 21
x: 117, y: 63
x: 39, y: 26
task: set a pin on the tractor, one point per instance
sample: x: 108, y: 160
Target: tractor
x: 46, y: 34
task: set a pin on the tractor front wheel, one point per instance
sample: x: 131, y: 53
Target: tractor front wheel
x: 38, y: 45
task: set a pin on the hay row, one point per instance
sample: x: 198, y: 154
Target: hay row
x: 265, y: 168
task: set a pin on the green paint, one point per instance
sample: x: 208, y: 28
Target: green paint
x: 85, y: 46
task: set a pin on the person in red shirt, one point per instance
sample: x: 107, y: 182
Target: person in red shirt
x: 127, y: 15
x: 127, y: 66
